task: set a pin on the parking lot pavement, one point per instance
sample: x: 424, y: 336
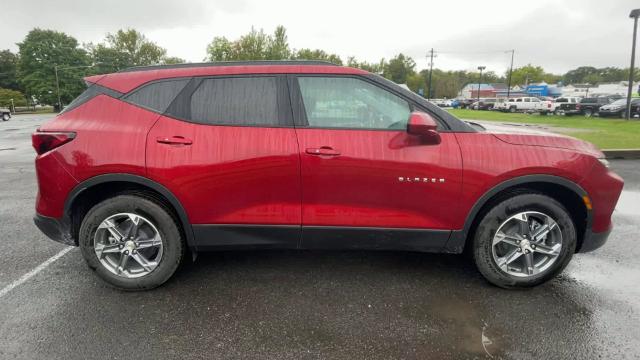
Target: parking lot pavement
x: 308, y: 304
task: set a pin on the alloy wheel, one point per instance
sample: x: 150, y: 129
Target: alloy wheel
x: 128, y: 245
x: 527, y: 244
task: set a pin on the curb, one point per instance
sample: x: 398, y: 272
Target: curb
x: 622, y: 153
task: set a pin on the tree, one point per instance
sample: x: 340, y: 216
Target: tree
x: 278, y: 45
x: 39, y: 53
x: 399, y: 68
x: 172, y: 60
x: 317, y: 54
x: 527, y: 74
x: 375, y: 68
x: 126, y: 48
x: 7, y: 94
x: 9, y: 70
x: 256, y: 45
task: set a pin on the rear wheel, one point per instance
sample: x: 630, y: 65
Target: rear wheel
x: 588, y: 112
x: 6, y: 117
x: 512, y: 109
x: 132, y: 242
x: 524, y: 240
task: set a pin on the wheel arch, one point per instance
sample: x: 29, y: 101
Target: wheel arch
x: 564, y: 190
x: 100, y: 187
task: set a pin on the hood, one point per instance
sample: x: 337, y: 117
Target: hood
x: 521, y: 134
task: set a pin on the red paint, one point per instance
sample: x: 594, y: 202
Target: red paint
x: 337, y: 177
x: 361, y: 187
x: 229, y: 174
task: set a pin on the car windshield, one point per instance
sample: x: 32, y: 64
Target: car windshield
x: 620, y: 102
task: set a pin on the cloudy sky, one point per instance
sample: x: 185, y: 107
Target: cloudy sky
x: 556, y: 34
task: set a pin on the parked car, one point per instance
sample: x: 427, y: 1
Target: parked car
x: 588, y: 106
x: 442, y: 102
x: 466, y: 103
x: 555, y: 105
x: 617, y: 108
x: 306, y: 155
x: 635, y: 109
x: 5, y: 114
x: 523, y: 104
x: 484, y: 104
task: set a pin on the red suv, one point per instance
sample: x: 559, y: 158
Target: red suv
x: 150, y: 164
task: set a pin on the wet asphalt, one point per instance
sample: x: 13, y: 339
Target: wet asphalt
x: 293, y: 305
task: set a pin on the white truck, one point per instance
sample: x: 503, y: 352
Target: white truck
x: 524, y: 104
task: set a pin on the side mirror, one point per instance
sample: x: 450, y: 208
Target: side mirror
x: 422, y: 125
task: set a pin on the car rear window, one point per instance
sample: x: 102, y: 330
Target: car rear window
x: 236, y: 101
x: 157, y: 95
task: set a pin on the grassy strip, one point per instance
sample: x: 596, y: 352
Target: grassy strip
x: 606, y: 133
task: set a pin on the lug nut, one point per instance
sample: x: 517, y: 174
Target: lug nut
x: 126, y: 252
x: 120, y: 246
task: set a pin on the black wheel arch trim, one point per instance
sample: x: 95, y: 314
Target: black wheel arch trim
x: 136, y: 179
x: 458, y: 238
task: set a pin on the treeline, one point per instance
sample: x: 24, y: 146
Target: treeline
x: 30, y: 74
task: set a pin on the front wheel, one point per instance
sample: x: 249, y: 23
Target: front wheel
x: 588, y: 112
x: 6, y: 117
x: 524, y: 240
x: 512, y: 109
x: 132, y: 242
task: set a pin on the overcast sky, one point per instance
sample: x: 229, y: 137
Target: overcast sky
x: 558, y: 35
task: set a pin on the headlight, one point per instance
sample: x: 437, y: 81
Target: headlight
x: 604, y: 162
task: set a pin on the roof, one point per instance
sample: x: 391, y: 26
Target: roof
x: 131, y: 78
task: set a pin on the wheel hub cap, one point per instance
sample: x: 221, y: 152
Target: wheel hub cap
x: 128, y: 245
x: 527, y: 244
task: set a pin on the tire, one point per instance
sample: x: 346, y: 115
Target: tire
x: 556, y: 112
x: 159, y: 219
x: 512, y: 109
x: 499, y: 214
x: 6, y: 117
x: 544, y: 113
x: 588, y: 112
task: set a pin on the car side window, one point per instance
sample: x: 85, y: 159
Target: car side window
x: 157, y: 95
x: 344, y: 102
x: 243, y: 101
x: 518, y: 100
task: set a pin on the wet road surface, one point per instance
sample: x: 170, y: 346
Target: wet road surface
x: 310, y: 304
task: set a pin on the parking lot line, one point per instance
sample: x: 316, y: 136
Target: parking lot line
x: 34, y: 272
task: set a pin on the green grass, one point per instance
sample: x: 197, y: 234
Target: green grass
x: 606, y: 133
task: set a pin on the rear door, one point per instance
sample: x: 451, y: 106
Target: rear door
x: 366, y: 182
x: 227, y: 149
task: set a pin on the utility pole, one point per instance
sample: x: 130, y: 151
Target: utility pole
x: 430, y: 72
x: 55, y: 68
x: 479, y: 82
x: 510, y: 72
x: 634, y: 15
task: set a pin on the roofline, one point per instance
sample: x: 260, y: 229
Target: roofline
x: 228, y: 63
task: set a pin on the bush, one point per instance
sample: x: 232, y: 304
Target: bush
x: 6, y: 95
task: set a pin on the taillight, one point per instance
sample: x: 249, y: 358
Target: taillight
x: 43, y: 141
x: 577, y: 106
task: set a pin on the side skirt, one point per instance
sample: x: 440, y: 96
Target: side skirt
x: 221, y: 237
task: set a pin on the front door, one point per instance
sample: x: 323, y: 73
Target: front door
x: 366, y: 182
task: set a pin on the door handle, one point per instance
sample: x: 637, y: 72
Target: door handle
x: 174, y: 140
x: 323, y: 151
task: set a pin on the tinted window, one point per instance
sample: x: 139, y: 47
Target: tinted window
x: 561, y: 100
x: 236, y: 101
x: 351, y: 103
x: 158, y: 95
x: 589, y: 100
